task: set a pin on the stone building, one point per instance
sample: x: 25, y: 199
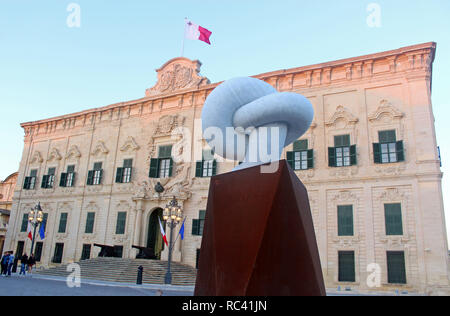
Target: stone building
x: 369, y: 162
x: 6, y: 195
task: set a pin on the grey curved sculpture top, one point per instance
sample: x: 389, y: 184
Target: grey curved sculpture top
x: 246, y: 119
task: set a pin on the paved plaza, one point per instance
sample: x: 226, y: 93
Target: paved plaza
x: 37, y: 286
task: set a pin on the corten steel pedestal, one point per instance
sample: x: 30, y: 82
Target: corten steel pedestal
x: 258, y: 238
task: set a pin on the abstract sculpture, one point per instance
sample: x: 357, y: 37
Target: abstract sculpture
x: 256, y: 111
x: 258, y: 237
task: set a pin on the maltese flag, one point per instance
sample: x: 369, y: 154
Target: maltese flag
x: 29, y: 228
x: 196, y: 32
x: 163, y: 233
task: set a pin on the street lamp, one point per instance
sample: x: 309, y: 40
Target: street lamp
x: 173, y: 215
x: 35, y: 218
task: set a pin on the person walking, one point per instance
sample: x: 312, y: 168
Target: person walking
x: 23, y: 264
x: 31, y: 263
x: 10, y: 262
x: 4, y: 263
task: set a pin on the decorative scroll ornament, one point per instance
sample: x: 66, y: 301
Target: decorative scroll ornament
x: 384, y: 108
x: 54, y: 155
x: 130, y: 145
x: 36, y: 158
x: 342, y: 113
x: 73, y: 152
x: 100, y: 148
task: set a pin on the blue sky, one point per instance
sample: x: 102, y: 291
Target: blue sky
x: 48, y: 69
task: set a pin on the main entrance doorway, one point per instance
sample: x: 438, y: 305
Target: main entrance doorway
x: 154, y: 238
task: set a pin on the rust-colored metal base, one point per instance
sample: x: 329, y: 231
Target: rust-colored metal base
x: 258, y: 238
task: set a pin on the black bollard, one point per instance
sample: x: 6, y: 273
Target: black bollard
x: 139, y: 275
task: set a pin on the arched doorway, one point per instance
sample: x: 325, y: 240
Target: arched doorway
x: 154, y: 237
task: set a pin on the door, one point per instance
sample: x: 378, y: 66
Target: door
x: 59, y: 248
x: 154, y: 238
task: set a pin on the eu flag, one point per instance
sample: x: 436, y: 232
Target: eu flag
x: 182, y: 230
x: 42, y: 230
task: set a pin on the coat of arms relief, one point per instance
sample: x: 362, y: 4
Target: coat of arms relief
x: 176, y: 74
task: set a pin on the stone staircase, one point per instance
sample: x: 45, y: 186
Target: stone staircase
x: 125, y: 270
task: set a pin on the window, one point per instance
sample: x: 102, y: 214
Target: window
x: 86, y: 252
x: 121, y: 221
x: 118, y: 251
x: 345, y: 220
x: 198, y: 224
x: 30, y: 182
x: 62, y: 223
x: 396, y: 267
x: 90, y: 219
x: 57, y: 257
x: 44, y: 222
x: 388, y: 150
x: 68, y: 178
x: 207, y: 166
x: 123, y: 174
x: 393, y: 219
x: 301, y: 158
x: 19, y: 249
x: 49, y: 179
x: 162, y: 166
x: 342, y: 154
x: 95, y: 176
x: 346, y: 266
x: 24, y: 226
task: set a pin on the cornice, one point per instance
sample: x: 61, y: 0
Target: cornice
x: 317, y: 75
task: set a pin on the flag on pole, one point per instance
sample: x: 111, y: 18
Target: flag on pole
x: 42, y: 230
x: 29, y: 228
x: 196, y: 32
x: 163, y: 233
x: 181, y: 232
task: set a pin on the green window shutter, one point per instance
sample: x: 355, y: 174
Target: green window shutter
x: 396, y: 267
x: 353, y: 160
x: 376, y: 153
x: 290, y: 158
x: 73, y: 179
x: 128, y: 163
x: 170, y: 167
x: 214, y: 170
x: 345, y: 220
x: 199, y: 169
x: 119, y: 175
x: 165, y: 151
x: 100, y: 177
x: 195, y: 227
x: 24, y: 226
x: 400, y: 151
x: 310, y: 159
x: 300, y: 145
x: 393, y: 218
x: 387, y: 136
x: 90, y: 178
x: 154, y: 166
x: 62, y: 223
x: 331, y: 157
x: 44, y: 183
x: 26, y: 184
x: 342, y: 140
x: 90, y: 219
x: 121, y: 222
x: 63, y: 180
x: 346, y: 266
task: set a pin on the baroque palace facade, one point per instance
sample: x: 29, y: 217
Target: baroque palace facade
x: 369, y: 161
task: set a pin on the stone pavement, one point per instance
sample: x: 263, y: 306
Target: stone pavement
x: 56, y: 286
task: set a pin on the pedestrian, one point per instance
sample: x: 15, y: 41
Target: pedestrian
x: 23, y: 264
x: 31, y: 263
x: 4, y: 262
x: 10, y: 262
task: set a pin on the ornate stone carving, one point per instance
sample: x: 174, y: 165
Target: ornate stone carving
x: 100, y: 149
x: 385, y: 107
x: 176, y: 74
x: 73, y: 153
x: 165, y: 126
x: 342, y: 113
x: 54, y: 155
x: 344, y: 172
x: 390, y: 170
x: 129, y: 145
x: 391, y: 194
x: 344, y: 196
x: 36, y: 158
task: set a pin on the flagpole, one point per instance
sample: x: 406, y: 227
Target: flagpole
x: 184, y: 35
